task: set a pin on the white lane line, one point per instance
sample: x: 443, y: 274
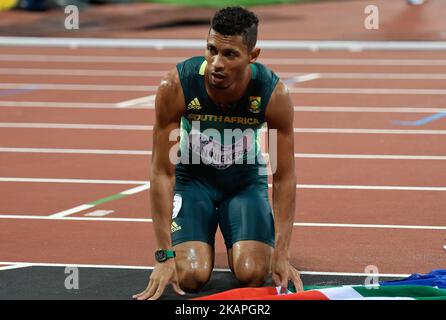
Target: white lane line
x: 367, y: 226
x: 353, y: 61
x: 80, y: 265
x: 82, y: 72
x: 146, y: 101
x: 369, y: 91
x: 355, y: 274
x: 81, y: 181
x: 51, y: 104
x: 136, y: 189
x: 298, y: 186
x: 79, y: 87
x: 74, y: 126
x: 149, y: 152
x: 87, y: 105
x: 295, y: 224
x: 144, y: 88
x: 367, y: 131
x: 15, y: 266
x: 367, y: 156
x: 158, y: 74
x: 368, y: 109
x: 76, y: 151
x: 160, y: 44
x: 97, y: 202
x: 74, y: 210
x: 384, y: 76
x: 92, y: 59
x: 64, y: 218
x: 305, y: 77
x: 366, y: 187
x: 99, y: 213
x: 131, y: 267
x: 148, y: 128
x: 271, y: 61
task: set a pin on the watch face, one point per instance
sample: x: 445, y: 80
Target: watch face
x: 160, y: 255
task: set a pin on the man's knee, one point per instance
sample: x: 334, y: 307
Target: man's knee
x: 251, y: 273
x: 193, y: 278
x: 194, y: 263
x: 250, y: 262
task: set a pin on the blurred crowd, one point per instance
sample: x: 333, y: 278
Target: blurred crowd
x: 40, y: 5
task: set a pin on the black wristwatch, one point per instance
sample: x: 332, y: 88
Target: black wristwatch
x: 163, y: 255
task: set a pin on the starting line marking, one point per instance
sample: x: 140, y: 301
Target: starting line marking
x: 107, y: 266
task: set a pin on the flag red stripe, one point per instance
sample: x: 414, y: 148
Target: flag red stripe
x: 264, y: 293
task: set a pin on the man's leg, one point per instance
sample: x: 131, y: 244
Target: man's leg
x: 194, y: 223
x: 250, y: 261
x: 247, y: 225
x: 194, y: 261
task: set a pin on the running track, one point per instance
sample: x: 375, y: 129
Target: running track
x: 370, y: 191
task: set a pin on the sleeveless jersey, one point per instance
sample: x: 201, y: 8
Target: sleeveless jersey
x: 216, y: 137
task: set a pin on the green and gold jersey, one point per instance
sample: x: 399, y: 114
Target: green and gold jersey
x: 217, y: 137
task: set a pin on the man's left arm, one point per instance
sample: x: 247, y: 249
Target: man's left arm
x: 279, y: 116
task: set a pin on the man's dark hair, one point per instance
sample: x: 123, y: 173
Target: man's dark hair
x: 231, y: 21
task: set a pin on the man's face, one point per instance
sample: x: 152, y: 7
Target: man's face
x: 227, y: 58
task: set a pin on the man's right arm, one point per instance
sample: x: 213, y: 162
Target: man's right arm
x: 169, y: 107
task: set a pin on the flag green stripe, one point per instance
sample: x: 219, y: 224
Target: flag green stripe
x: 416, y: 292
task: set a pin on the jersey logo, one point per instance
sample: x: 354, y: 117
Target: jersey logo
x: 254, y: 104
x: 174, y: 227
x: 194, y: 105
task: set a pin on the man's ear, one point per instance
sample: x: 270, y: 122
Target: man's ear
x: 253, y: 55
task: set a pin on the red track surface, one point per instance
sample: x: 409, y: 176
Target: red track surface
x: 321, y: 248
